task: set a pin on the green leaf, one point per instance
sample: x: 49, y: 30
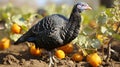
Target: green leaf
x: 106, y: 30
x: 80, y: 40
x: 17, y: 19
x: 85, y: 42
x: 103, y: 29
x: 27, y: 16
x: 87, y: 30
x: 108, y: 12
x: 25, y: 28
x: 102, y: 18
x: 116, y: 36
x: 95, y: 43
x: 5, y: 15
x: 14, y: 37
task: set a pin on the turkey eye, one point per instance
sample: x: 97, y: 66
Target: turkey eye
x: 82, y: 5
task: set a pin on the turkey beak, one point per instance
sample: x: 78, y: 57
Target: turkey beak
x: 88, y: 8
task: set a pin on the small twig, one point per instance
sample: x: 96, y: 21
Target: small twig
x: 108, y: 51
x: 114, y: 52
x: 116, y: 31
x: 102, y: 52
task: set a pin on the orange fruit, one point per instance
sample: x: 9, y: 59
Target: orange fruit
x: 94, y: 59
x: 60, y: 54
x: 67, y: 48
x: 4, y: 43
x: 16, y: 28
x: 77, y: 57
x: 34, y: 51
x: 93, y: 24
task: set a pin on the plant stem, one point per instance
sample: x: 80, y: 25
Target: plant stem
x: 116, y: 31
x: 109, y: 45
x: 108, y: 51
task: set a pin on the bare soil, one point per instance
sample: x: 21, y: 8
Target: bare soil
x: 19, y: 56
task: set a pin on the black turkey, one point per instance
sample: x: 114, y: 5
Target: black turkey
x: 55, y: 30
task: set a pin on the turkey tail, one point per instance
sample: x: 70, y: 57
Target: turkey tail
x: 29, y: 36
x: 21, y: 39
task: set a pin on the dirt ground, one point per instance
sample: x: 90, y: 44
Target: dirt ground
x: 19, y: 56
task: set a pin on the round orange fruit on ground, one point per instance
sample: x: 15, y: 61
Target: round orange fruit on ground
x: 77, y: 57
x: 60, y: 54
x: 94, y: 59
x: 67, y: 48
x: 4, y: 43
x: 35, y: 51
x: 16, y: 28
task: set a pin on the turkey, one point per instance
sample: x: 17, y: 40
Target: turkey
x: 55, y: 30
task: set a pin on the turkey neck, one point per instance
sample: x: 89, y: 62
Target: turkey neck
x: 74, y: 20
x: 73, y: 26
x: 75, y: 17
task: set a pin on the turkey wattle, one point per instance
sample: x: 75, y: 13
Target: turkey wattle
x: 55, y: 30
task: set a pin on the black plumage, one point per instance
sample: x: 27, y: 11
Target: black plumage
x: 55, y: 30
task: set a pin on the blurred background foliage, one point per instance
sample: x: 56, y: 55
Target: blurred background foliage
x: 96, y: 27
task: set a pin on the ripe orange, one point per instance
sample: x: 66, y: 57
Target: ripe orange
x: 34, y: 51
x: 67, y: 48
x: 16, y: 28
x: 93, y: 24
x: 77, y: 57
x: 94, y: 59
x: 4, y: 43
x: 60, y: 54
